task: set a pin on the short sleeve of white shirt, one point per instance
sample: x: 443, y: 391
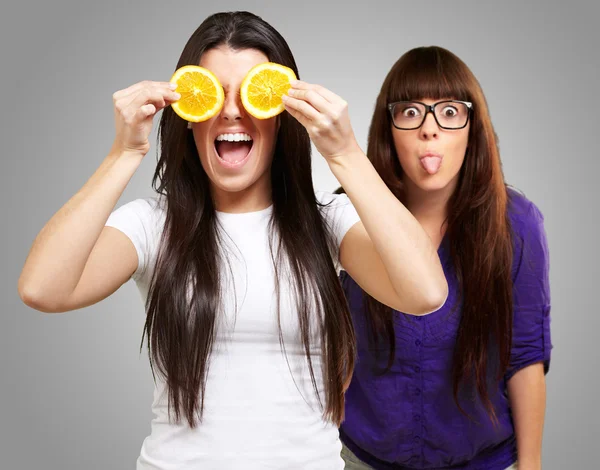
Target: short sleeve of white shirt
x: 142, y: 220
x: 339, y: 213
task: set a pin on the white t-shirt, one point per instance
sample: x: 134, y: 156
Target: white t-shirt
x: 260, y: 410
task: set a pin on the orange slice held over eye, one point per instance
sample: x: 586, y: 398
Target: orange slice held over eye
x: 201, y: 93
x: 263, y: 87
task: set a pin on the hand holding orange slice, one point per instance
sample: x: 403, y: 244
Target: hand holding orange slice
x: 263, y: 87
x: 201, y: 93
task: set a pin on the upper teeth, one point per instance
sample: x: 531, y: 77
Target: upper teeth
x: 234, y: 137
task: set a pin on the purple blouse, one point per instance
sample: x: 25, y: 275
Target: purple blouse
x: 407, y: 417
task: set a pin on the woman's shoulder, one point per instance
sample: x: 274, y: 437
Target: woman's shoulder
x: 150, y: 206
x: 326, y: 198
x: 529, y: 235
x: 338, y: 212
x: 149, y: 203
x: 523, y: 213
x: 144, y: 214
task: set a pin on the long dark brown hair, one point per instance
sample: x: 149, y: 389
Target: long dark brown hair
x: 477, y: 228
x: 184, y: 296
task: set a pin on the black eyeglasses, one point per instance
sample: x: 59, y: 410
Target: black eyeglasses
x: 449, y: 114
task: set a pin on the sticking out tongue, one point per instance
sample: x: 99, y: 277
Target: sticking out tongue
x: 233, y: 152
x: 431, y: 164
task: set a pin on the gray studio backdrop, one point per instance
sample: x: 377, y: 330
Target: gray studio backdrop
x: 75, y: 391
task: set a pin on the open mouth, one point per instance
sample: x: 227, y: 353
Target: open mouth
x: 233, y: 150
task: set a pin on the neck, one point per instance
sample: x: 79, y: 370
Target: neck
x: 429, y: 207
x: 251, y: 199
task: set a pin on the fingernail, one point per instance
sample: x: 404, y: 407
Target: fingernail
x: 177, y: 96
x: 284, y: 97
x: 172, y: 86
x: 293, y: 82
x: 291, y: 92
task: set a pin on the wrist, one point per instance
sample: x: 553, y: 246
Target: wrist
x: 347, y: 163
x: 121, y: 164
x: 128, y: 156
x: 529, y: 463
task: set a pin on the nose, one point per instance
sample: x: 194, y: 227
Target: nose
x: 430, y: 128
x: 233, y: 110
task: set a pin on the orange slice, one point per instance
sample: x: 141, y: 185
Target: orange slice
x: 263, y: 87
x: 201, y: 93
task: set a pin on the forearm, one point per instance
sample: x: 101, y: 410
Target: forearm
x: 410, y: 259
x: 60, y: 251
x: 527, y: 395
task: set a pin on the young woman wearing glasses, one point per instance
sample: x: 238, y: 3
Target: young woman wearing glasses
x: 463, y: 387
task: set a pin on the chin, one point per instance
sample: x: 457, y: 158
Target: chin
x: 234, y: 184
x: 432, y: 183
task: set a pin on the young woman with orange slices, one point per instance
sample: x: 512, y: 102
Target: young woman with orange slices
x: 249, y: 333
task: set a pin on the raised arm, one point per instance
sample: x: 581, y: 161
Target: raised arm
x: 76, y: 261
x: 388, y: 253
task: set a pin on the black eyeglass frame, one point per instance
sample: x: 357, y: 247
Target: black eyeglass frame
x: 430, y: 108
